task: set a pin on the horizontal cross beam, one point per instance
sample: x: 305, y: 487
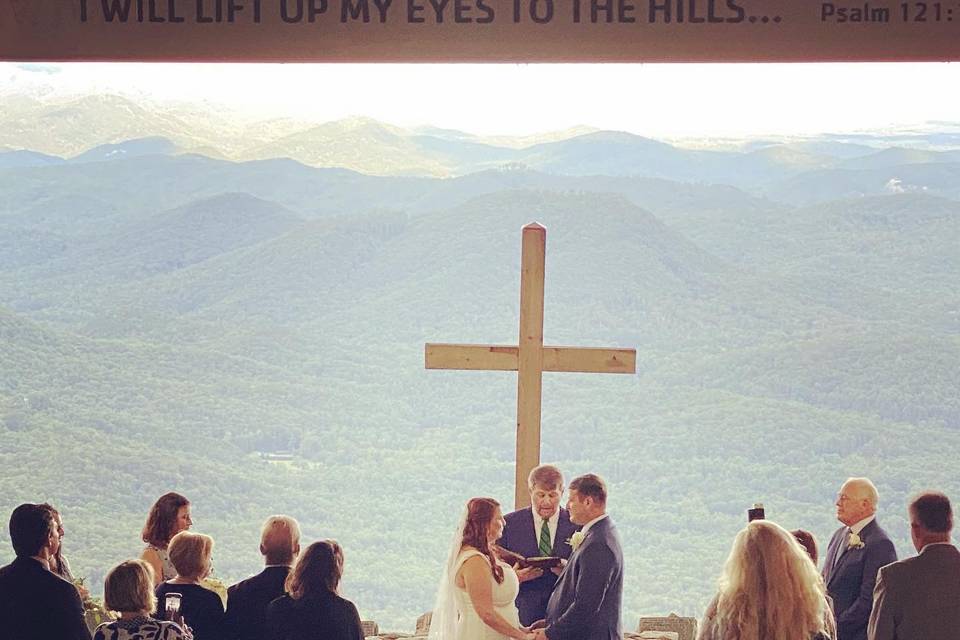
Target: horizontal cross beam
x: 505, y: 358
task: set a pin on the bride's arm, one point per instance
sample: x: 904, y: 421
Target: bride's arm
x: 476, y: 574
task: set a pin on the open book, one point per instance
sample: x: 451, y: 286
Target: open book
x: 512, y: 558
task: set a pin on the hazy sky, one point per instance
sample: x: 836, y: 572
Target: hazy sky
x: 656, y: 100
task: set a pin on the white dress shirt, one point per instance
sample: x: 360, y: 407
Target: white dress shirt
x: 553, y: 521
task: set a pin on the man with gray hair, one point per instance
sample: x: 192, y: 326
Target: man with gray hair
x: 919, y: 598
x: 247, y: 601
x: 856, y: 552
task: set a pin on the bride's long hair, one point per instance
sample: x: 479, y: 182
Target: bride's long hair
x: 770, y: 589
x: 480, y: 513
x: 472, y: 530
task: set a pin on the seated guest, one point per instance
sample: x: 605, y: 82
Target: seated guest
x: 808, y: 542
x: 919, y: 598
x: 312, y: 610
x: 769, y: 589
x: 35, y: 603
x: 201, y: 608
x: 128, y: 590
x: 247, y: 601
x: 169, y: 515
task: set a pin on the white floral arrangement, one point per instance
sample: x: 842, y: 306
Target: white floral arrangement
x: 854, y: 541
x: 94, y: 613
x: 576, y: 540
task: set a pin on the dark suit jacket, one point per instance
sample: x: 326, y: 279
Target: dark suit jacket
x: 36, y: 604
x: 851, y: 582
x: 324, y: 616
x: 918, y: 598
x: 520, y: 536
x: 585, y: 604
x: 247, y: 603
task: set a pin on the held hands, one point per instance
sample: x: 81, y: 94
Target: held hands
x: 528, y: 573
x: 526, y: 634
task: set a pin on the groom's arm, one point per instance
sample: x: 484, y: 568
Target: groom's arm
x: 598, y: 566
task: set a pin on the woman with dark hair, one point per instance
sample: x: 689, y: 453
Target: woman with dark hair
x: 59, y: 564
x: 312, y: 608
x: 478, y: 591
x: 169, y: 515
x: 808, y: 542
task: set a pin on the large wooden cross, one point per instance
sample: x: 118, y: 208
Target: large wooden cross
x: 529, y: 358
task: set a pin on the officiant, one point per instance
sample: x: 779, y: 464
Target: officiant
x: 542, y: 529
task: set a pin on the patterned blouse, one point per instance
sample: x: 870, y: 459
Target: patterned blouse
x: 169, y: 572
x: 140, y: 628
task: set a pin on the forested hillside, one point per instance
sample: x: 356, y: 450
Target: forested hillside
x: 167, y: 318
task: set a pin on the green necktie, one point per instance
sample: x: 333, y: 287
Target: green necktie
x: 545, y: 547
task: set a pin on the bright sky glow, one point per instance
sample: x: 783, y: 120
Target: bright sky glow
x: 653, y: 100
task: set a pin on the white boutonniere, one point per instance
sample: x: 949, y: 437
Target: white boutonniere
x: 576, y: 540
x: 854, y: 541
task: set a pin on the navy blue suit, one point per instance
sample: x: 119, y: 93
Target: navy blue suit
x: 520, y: 536
x: 585, y: 604
x: 851, y: 582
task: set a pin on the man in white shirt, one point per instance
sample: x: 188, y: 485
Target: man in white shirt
x: 919, y: 598
x: 855, y: 554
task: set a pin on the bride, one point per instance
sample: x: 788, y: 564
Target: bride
x: 477, y: 591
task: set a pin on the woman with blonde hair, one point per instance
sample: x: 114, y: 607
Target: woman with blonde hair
x: 128, y: 590
x: 202, y: 609
x: 769, y: 590
x: 312, y: 609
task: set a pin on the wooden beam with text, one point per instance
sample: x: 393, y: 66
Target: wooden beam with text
x: 529, y: 357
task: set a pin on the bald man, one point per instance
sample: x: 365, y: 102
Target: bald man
x: 856, y: 552
x: 247, y: 601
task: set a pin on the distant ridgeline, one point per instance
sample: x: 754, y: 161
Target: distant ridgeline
x: 249, y: 333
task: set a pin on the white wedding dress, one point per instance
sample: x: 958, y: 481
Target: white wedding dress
x: 469, y: 624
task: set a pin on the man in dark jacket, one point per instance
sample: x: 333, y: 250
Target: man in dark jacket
x: 36, y: 604
x: 542, y: 529
x: 856, y: 552
x: 585, y: 604
x: 247, y: 600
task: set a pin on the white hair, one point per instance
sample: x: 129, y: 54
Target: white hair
x: 867, y: 487
x: 280, y: 536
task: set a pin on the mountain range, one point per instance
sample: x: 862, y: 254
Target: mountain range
x: 175, y: 304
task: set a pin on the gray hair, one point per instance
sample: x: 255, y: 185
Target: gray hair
x: 279, y: 538
x: 867, y: 487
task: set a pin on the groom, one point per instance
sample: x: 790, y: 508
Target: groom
x: 585, y: 604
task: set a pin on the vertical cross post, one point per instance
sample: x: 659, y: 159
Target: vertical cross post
x: 530, y: 356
